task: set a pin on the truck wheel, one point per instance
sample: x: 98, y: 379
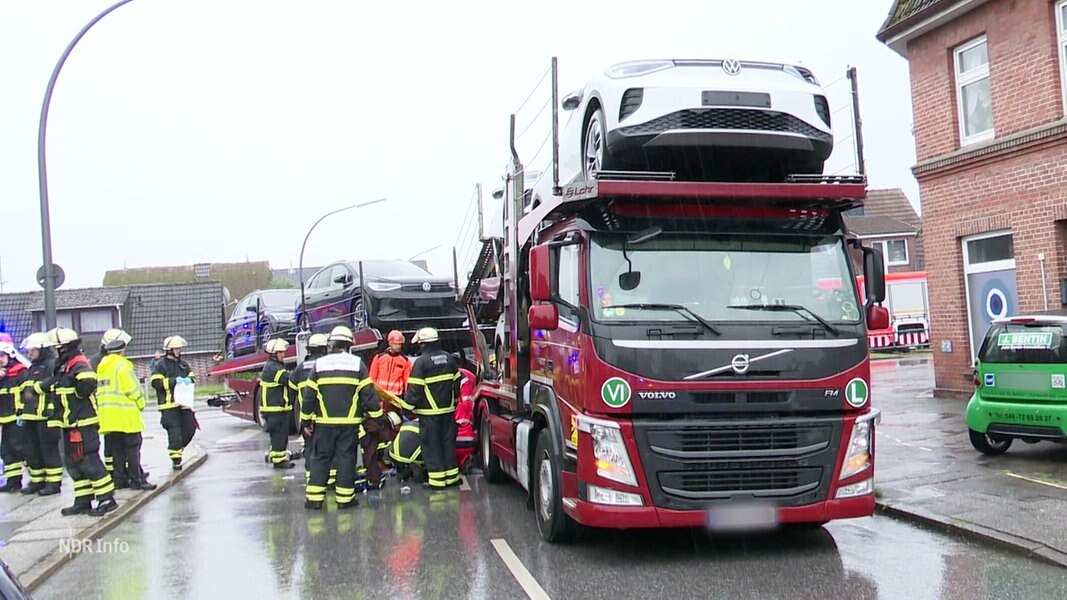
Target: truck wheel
x: 490, y: 464
x: 553, y: 524
x: 985, y: 444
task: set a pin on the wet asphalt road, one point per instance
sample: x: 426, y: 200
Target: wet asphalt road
x: 237, y: 529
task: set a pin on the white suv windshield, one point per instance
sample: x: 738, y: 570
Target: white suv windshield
x: 708, y: 275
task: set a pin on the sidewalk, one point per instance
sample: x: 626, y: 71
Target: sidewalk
x: 927, y: 471
x: 35, y: 537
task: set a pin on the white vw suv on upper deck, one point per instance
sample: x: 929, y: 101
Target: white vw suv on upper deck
x: 725, y: 120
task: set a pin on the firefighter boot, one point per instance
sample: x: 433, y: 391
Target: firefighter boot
x: 313, y: 504
x: 104, y: 507
x: 79, y: 508
x: 49, y: 489
x: 33, y: 488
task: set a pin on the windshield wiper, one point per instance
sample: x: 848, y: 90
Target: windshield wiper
x: 675, y: 307
x: 797, y: 308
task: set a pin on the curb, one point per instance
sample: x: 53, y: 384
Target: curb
x: 1028, y: 548
x: 52, y: 563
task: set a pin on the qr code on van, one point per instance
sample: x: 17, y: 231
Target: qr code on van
x: 1058, y: 381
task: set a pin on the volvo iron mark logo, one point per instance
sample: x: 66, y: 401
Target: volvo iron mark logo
x: 739, y: 363
x: 731, y: 66
x: 426, y: 286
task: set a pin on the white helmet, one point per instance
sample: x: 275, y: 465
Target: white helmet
x: 276, y: 345
x: 8, y: 349
x: 394, y: 419
x: 174, y: 342
x: 115, y: 339
x: 318, y: 340
x: 425, y: 335
x: 341, y: 334
x: 37, y: 341
x: 61, y: 336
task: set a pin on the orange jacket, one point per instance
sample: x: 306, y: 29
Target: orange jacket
x: 390, y: 372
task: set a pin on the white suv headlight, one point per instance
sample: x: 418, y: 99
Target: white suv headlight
x: 636, y: 68
x: 858, y: 454
x: 384, y: 287
x: 612, y: 459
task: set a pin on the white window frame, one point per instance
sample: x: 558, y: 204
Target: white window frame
x: 985, y: 267
x: 885, y: 252
x: 1061, y: 49
x: 88, y: 314
x: 963, y: 79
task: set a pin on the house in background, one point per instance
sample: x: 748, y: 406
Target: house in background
x: 238, y: 279
x: 988, y: 82
x: 887, y: 221
x: 149, y: 313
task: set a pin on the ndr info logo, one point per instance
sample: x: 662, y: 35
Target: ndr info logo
x: 73, y: 545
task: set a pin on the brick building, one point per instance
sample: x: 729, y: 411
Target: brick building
x: 888, y: 221
x: 988, y: 80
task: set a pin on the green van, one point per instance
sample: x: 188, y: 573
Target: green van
x: 1019, y: 381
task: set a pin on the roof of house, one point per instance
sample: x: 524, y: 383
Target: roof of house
x: 240, y: 279
x: 878, y: 226
x: 81, y: 298
x: 15, y: 318
x: 891, y: 203
x: 906, y: 11
x: 191, y: 310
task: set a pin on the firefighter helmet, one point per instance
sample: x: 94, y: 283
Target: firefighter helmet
x: 341, y: 334
x: 7, y: 348
x: 395, y: 337
x: 61, y: 336
x: 318, y: 340
x: 174, y: 342
x: 276, y: 345
x: 425, y: 335
x: 115, y: 339
x: 36, y: 341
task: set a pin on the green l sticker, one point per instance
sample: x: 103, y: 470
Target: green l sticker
x: 856, y: 392
x: 615, y: 392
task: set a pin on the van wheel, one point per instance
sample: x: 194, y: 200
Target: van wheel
x: 490, y: 464
x: 985, y: 444
x: 553, y: 524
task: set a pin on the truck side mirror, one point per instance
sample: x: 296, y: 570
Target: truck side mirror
x: 543, y: 316
x: 540, y: 274
x: 877, y: 318
x: 873, y: 275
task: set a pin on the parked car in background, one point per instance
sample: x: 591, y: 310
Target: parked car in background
x: 701, y: 119
x: 259, y: 316
x: 393, y: 294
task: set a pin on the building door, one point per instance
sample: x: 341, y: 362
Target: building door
x: 992, y: 293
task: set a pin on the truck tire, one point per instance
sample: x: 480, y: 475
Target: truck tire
x: 490, y: 464
x: 987, y: 445
x: 553, y: 524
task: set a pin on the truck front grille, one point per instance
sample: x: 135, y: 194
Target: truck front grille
x: 726, y: 484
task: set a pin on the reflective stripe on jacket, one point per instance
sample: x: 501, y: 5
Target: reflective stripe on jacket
x: 274, y: 388
x: 344, y: 393
x: 75, y: 389
x: 119, y: 399
x: 434, y: 384
x: 167, y: 370
x: 390, y: 372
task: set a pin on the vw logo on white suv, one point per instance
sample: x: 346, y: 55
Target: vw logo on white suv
x: 731, y: 66
x: 426, y: 286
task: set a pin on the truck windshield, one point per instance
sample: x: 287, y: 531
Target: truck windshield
x: 1031, y: 343
x: 723, y: 278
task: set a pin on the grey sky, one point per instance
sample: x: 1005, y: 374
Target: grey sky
x: 219, y: 130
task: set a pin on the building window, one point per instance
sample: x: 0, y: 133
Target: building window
x: 97, y: 320
x: 973, y: 97
x: 1061, y: 37
x: 894, y: 252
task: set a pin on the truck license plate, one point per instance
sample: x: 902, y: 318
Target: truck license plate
x: 745, y: 516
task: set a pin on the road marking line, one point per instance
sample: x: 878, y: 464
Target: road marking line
x: 518, y: 570
x: 925, y: 448
x: 1032, y: 480
x: 237, y: 438
x: 463, y: 485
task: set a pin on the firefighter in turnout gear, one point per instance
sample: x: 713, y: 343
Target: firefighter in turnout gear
x: 13, y: 437
x: 35, y: 406
x: 300, y: 377
x: 275, y: 404
x: 179, y: 421
x: 432, y: 391
x: 119, y: 400
x: 74, y: 384
x: 344, y: 397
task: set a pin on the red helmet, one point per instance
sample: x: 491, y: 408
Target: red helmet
x: 395, y: 337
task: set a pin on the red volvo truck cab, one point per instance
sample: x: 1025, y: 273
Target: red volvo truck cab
x: 672, y: 356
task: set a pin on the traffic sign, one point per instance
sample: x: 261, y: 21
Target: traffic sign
x: 57, y: 271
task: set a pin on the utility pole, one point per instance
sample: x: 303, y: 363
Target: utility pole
x: 857, y: 122
x: 2, y: 281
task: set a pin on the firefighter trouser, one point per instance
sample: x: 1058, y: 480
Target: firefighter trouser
x: 89, y: 475
x: 308, y: 443
x: 42, y: 453
x: 374, y: 437
x: 278, y: 428
x: 437, y: 435
x: 180, y: 428
x: 122, y: 453
x: 13, y: 451
x: 333, y: 445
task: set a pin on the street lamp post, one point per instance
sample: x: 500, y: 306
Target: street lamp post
x: 42, y: 174
x: 303, y: 311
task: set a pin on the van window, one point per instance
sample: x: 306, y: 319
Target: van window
x: 1013, y: 343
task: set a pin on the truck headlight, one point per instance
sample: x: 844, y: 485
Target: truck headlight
x: 612, y: 459
x: 858, y: 454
